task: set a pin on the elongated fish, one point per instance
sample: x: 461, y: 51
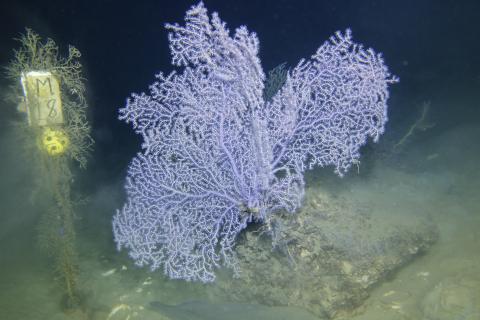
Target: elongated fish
x: 201, y: 310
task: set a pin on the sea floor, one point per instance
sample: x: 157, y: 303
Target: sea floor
x: 438, y: 179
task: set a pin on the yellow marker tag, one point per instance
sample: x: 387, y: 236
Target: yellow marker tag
x: 43, y: 98
x: 54, y: 142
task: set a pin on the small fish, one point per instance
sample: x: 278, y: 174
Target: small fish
x: 109, y: 272
x: 117, y: 308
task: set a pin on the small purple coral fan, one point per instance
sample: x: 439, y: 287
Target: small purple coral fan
x: 216, y: 155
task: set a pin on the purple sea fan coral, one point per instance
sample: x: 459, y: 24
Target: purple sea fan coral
x: 217, y: 156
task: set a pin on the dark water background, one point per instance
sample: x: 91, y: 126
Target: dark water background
x: 432, y: 46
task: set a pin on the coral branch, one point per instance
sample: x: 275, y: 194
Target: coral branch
x: 216, y: 155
